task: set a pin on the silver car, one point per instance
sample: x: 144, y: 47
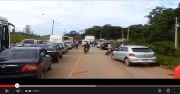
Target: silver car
x: 134, y: 54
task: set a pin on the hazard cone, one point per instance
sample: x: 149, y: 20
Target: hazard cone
x: 177, y: 72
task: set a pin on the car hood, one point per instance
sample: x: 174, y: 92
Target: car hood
x: 20, y: 61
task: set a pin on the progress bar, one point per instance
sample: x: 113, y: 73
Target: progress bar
x: 57, y: 85
x: 99, y: 86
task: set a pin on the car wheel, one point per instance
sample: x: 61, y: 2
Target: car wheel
x: 42, y: 75
x: 112, y: 57
x: 56, y: 59
x: 127, y: 62
x: 50, y: 67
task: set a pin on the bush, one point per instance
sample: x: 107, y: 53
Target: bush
x: 168, y: 60
x: 165, y: 48
x: 136, y: 42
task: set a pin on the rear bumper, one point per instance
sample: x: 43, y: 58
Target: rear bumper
x: 142, y: 60
x: 30, y: 75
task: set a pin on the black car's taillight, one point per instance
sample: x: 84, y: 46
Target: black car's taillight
x: 29, y: 68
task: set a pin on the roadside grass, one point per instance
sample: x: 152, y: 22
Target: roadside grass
x: 169, y: 61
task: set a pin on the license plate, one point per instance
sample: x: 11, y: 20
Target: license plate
x: 145, y: 59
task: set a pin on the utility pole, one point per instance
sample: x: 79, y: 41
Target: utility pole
x: 52, y: 26
x: 122, y: 34
x: 128, y: 34
x: 176, y: 33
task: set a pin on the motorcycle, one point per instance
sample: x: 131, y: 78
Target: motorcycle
x: 110, y: 51
x: 76, y: 46
x: 85, y: 50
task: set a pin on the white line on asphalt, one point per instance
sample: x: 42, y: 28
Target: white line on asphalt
x: 75, y: 66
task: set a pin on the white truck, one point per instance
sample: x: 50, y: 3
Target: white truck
x: 88, y: 39
x: 56, y: 39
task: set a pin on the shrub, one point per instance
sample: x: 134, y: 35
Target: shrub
x: 165, y: 48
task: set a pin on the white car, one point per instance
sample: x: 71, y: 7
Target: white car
x: 134, y: 54
x: 69, y: 44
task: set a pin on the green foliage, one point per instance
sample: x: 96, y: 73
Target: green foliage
x: 169, y: 61
x: 19, y: 36
x: 165, y: 48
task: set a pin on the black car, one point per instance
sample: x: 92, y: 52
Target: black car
x: 104, y: 46
x: 53, y: 50
x: 26, y: 62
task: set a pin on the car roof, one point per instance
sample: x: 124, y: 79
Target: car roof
x: 135, y: 46
x: 26, y: 48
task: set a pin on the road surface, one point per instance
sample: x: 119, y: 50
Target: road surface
x: 96, y: 65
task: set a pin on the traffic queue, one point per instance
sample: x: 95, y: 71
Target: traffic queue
x: 32, y: 58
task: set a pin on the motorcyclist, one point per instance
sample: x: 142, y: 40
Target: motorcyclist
x: 86, y: 46
x: 77, y: 44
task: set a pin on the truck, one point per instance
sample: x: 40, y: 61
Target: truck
x: 57, y: 38
x: 5, y: 29
x: 88, y: 39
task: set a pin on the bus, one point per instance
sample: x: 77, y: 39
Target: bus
x: 5, y: 29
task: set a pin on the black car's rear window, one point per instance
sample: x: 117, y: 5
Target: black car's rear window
x: 141, y: 50
x: 48, y: 47
x: 28, y: 41
x: 19, y: 54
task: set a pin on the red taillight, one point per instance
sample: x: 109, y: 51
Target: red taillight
x: 29, y: 68
x: 131, y: 54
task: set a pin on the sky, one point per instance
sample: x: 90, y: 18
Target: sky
x: 78, y: 14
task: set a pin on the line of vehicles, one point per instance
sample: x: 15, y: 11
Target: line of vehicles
x: 32, y: 59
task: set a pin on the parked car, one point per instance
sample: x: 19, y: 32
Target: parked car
x: 26, y: 62
x: 63, y: 47
x: 30, y: 42
x: 99, y: 44
x: 104, y: 46
x: 69, y: 44
x: 134, y: 54
x: 53, y: 50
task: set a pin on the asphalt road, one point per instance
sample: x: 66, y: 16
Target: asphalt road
x: 95, y: 64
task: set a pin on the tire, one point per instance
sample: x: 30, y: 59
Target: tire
x: 112, y: 57
x: 55, y: 59
x: 127, y: 62
x: 50, y: 67
x: 61, y: 56
x: 42, y: 75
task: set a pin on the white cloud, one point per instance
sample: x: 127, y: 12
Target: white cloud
x: 78, y: 14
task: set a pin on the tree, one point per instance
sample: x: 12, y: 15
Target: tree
x: 27, y: 29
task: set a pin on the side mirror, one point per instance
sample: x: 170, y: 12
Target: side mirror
x: 13, y: 30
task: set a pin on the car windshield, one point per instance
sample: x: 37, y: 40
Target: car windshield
x: 48, y: 47
x: 141, y: 50
x: 18, y: 54
x: 68, y: 42
x: 28, y: 41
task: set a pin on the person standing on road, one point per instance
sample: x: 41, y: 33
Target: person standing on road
x: 109, y: 47
x: 121, y: 44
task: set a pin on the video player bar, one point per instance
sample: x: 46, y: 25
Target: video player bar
x: 92, y: 89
